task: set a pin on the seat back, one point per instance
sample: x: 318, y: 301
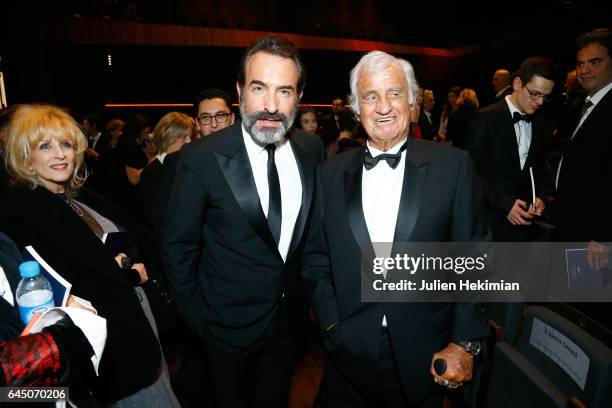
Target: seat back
x: 515, y: 382
x: 572, y: 359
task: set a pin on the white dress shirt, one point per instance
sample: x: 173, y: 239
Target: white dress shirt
x: 381, y: 191
x: 290, y: 184
x: 161, y: 157
x: 522, y: 130
x: 594, y: 100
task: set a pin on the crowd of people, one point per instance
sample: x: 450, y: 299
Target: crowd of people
x: 234, y: 226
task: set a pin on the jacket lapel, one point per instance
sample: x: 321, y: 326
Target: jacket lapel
x: 306, y: 168
x: 415, y: 177
x: 236, y: 168
x: 508, y: 129
x: 354, y: 207
x: 597, y: 115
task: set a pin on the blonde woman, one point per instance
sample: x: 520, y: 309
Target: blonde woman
x: 45, y: 207
x: 467, y: 104
x: 171, y: 133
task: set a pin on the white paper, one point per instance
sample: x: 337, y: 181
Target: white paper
x: 533, y: 192
x: 93, y: 326
x: 567, y: 354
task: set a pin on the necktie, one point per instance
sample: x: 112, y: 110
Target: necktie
x: 585, y: 107
x: 392, y: 159
x: 517, y: 117
x: 275, y: 213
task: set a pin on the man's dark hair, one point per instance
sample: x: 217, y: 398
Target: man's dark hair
x: 212, y: 93
x: 601, y: 36
x: 540, y: 66
x: 94, y: 119
x: 274, y: 45
x: 346, y: 121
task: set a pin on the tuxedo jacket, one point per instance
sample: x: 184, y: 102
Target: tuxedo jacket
x: 440, y: 202
x: 39, y: 218
x: 583, y: 204
x: 494, y: 149
x: 219, y: 255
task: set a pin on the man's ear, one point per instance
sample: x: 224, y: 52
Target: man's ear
x: 517, y: 84
x: 233, y: 116
x: 300, y: 95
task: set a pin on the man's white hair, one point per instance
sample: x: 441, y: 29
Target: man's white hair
x: 376, y: 61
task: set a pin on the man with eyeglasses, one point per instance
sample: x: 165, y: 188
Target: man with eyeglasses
x: 508, y: 142
x: 213, y: 111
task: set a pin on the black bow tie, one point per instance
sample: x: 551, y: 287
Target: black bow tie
x: 392, y: 159
x: 517, y: 117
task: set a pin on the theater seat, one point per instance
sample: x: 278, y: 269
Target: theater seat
x: 515, y: 382
x: 577, y: 363
x: 505, y: 319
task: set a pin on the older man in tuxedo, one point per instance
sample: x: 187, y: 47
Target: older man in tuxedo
x: 234, y: 232
x: 394, y: 189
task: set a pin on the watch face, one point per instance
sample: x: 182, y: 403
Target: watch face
x: 474, y: 348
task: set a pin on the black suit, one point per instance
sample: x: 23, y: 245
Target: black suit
x: 439, y: 202
x: 493, y: 146
x: 582, y: 206
x: 37, y: 217
x: 429, y: 130
x: 220, y: 256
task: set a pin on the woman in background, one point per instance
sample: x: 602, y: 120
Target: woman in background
x: 307, y: 120
x: 449, y: 106
x: 45, y: 207
x: 467, y: 104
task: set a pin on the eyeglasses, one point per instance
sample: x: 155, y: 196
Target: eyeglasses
x: 219, y: 118
x: 535, y: 95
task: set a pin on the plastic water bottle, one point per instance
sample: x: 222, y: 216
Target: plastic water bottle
x: 34, y: 293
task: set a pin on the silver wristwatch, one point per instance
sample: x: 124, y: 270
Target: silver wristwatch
x: 471, y: 346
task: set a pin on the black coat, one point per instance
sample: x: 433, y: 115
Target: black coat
x: 494, y: 149
x: 429, y: 130
x: 131, y: 359
x: 583, y: 206
x: 440, y: 202
x: 219, y: 254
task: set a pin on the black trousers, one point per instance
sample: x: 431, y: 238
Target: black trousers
x: 257, y: 376
x: 386, y: 390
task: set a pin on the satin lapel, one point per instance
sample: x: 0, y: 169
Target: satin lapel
x: 306, y: 169
x: 508, y: 129
x: 354, y: 208
x: 236, y: 169
x: 415, y: 178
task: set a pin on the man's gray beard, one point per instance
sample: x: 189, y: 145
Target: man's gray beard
x: 266, y: 136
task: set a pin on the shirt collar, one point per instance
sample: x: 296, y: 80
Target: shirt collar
x: 375, y: 152
x: 501, y: 92
x: 161, y: 157
x: 600, y: 94
x: 512, y: 107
